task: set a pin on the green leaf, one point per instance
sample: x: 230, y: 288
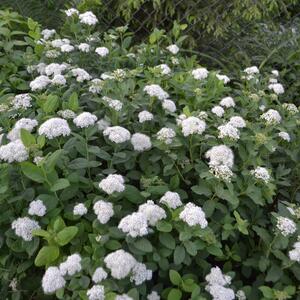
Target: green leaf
x: 241, y: 224
x: 27, y: 138
x: 32, y: 171
x: 58, y: 224
x: 66, y: 235
x: 132, y: 194
x: 202, y: 189
x: 267, y: 292
x: 73, y: 102
x: 60, y: 184
x: 51, y: 160
x: 214, y: 250
x: 164, y: 226
x: 42, y: 233
x: 179, y: 255
x: 51, y: 104
x: 274, y: 274
x: 46, y: 256
x: 174, y: 294
x: 175, y: 277
x: 143, y: 245
x: 167, y: 240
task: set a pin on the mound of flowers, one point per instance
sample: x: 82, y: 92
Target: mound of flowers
x: 131, y: 172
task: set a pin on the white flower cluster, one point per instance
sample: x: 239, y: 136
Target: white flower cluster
x: 66, y: 114
x: 80, y: 74
x: 28, y: 124
x: 71, y: 11
x: 240, y: 295
x: 79, y: 209
x: 103, y: 124
x: 117, y: 134
x: 277, y: 88
x: 102, y: 51
x: 192, y: 125
x: 295, y: 253
x: 84, y: 47
x: 171, y: 199
x: 85, y: 120
x: 173, y: 49
x: 23, y: 227
x: 216, y: 285
x: 290, y: 108
x: 221, y: 161
x: 227, y: 102
x: 54, y: 128
x: 37, y: 208
x: 237, y: 122
x: 22, y: 101
x: 163, y: 69
x: 112, y: 183
x: 104, y: 211
x: 261, y: 173
x: 224, y: 78
x: 96, y: 86
x: 99, y: 275
x: 193, y: 215
x: 200, y: 73
x: 48, y: 33
x: 123, y: 297
x: 14, y: 151
x: 271, y: 117
x: 145, y: 116
x: 228, y: 131
x: 139, y: 274
x: 153, y: 296
x: 113, y: 103
x: 52, y: 280
x: 154, y: 90
x: 134, y: 224
x: 251, y: 72
x: 120, y: 263
x: 71, y: 266
x: 152, y: 212
x: 141, y: 142
x: 169, y: 105
x: 285, y: 136
x: 218, y: 111
x: 96, y: 292
x: 55, y: 69
x: 88, y: 18
x: 39, y: 83
x: 286, y: 226
x: 166, y: 135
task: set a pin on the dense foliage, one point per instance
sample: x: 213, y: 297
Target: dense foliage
x: 97, y: 137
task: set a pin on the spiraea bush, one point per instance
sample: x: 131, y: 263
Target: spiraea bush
x: 132, y: 172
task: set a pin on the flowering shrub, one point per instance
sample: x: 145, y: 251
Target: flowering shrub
x: 130, y: 172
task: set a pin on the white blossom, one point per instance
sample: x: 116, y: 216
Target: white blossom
x: 23, y: 227
x: 22, y: 101
x: 218, y: 111
x: 228, y: 131
x: 85, y: 120
x: 104, y: 211
x: 261, y: 174
x: 120, y: 263
x: 79, y: 209
x: 112, y: 183
x: 251, y: 70
x: 134, y: 224
x: 164, y: 69
x: 141, y: 142
x: 57, y: 43
x: 294, y: 254
x: 154, y: 90
x: 71, y: 11
x: 67, y: 48
x: 171, y: 199
x: 88, y: 18
x: 173, y: 49
x: 220, y: 292
x: 237, y: 122
x: 166, y: 135
x: 153, y: 212
x: 193, y: 215
x: 275, y: 73
x: 224, y: 78
x: 54, y: 127
x: 117, y: 134
x: 113, y: 103
x: 153, y: 296
x: 52, y: 280
x: 169, y: 105
x: 55, y: 69
x: 96, y: 292
x: 192, y: 125
x: 240, y: 295
x: 13, y: 151
x: 96, y: 86
x: 103, y: 124
x: 277, y: 88
x: 59, y: 80
x: 84, y: 47
x: 285, y: 136
x: 272, y: 116
x: 220, y: 155
x: 139, y: 274
x: 102, y: 51
x: 48, y: 33
x: 290, y: 107
x: 66, y: 114
x: 227, y: 102
x: 200, y: 73
x: 99, y: 275
x: 216, y: 277
x: 145, y: 116
x: 80, y: 74
x: 37, y: 208
x: 24, y: 123
x: 286, y: 226
x: 71, y: 266
x: 39, y: 83
x: 123, y: 297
